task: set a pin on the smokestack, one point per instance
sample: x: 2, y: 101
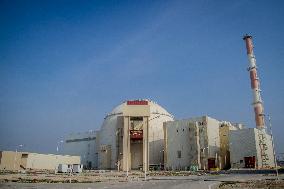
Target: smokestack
x: 255, y: 84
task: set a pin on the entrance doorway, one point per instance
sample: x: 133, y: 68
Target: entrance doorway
x: 211, y: 163
x: 136, y: 154
x: 250, y: 162
x: 136, y: 142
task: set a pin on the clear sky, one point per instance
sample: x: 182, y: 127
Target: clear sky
x: 65, y: 64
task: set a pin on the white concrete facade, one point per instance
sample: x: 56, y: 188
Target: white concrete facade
x: 85, y: 145
x: 245, y: 143
x: 182, y: 148
x: 197, y: 139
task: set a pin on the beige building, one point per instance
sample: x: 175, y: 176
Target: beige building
x: 10, y: 160
x: 192, y: 142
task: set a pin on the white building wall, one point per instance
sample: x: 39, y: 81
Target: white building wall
x: 156, y: 136
x: 245, y: 143
x: 108, y: 135
x: 204, y: 144
x: 213, y: 136
x: 271, y: 161
x: 49, y: 161
x: 177, y: 141
x: 182, y: 137
x: 209, y: 134
x: 84, y: 145
x: 269, y: 151
x: 242, y: 144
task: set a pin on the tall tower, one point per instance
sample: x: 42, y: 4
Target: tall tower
x: 255, y: 84
x: 257, y: 104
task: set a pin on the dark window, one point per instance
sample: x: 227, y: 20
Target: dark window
x: 177, y: 131
x: 136, y: 118
x: 241, y: 161
x: 178, y: 154
x: 81, y: 139
x: 24, y: 155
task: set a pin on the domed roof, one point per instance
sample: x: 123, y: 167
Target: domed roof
x: 154, y: 108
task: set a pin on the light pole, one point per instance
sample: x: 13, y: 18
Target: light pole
x: 57, y: 149
x: 18, y: 146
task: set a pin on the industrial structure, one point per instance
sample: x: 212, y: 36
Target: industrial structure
x: 140, y: 134
x: 246, y: 152
x: 192, y: 142
x: 256, y: 151
x: 131, y: 137
x: 13, y: 161
x: 84, y: 145
x: 197, y: 143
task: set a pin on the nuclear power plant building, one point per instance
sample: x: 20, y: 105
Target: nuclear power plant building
x: 140, y: 134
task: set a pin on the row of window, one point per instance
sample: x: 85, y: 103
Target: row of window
x: 200, y: 130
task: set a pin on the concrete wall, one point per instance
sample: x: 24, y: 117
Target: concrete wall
x: 242, y: 144
x: 181, y: 139
x: 24, y: 160
x: 213, y: 136
x: 10, y: 160
x: 245, y: 143
x: 50, y: 161
x: 269, y: 151
x: 85, y: 145
x: 204, y: 144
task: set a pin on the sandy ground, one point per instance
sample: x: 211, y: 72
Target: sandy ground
x: 158, y: 180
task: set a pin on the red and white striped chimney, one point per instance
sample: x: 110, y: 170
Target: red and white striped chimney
x: 255, y: 84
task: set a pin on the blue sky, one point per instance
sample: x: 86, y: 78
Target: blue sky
x: 65, y: 64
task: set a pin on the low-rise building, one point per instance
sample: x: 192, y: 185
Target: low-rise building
x: 10, y: 160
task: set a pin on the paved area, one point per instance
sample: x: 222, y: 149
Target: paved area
x: 156, y: 182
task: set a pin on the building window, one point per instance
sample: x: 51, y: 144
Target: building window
x: 183, y: 130
x: 241, y: 161
x: 177, y: 131
x: 189, y: 129
x: 178, y: 154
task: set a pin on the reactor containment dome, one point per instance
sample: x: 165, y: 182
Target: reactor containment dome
x: 135, y: 112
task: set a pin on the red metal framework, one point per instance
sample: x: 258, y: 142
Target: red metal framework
x: 137, y: 102
x: 136, y: 134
